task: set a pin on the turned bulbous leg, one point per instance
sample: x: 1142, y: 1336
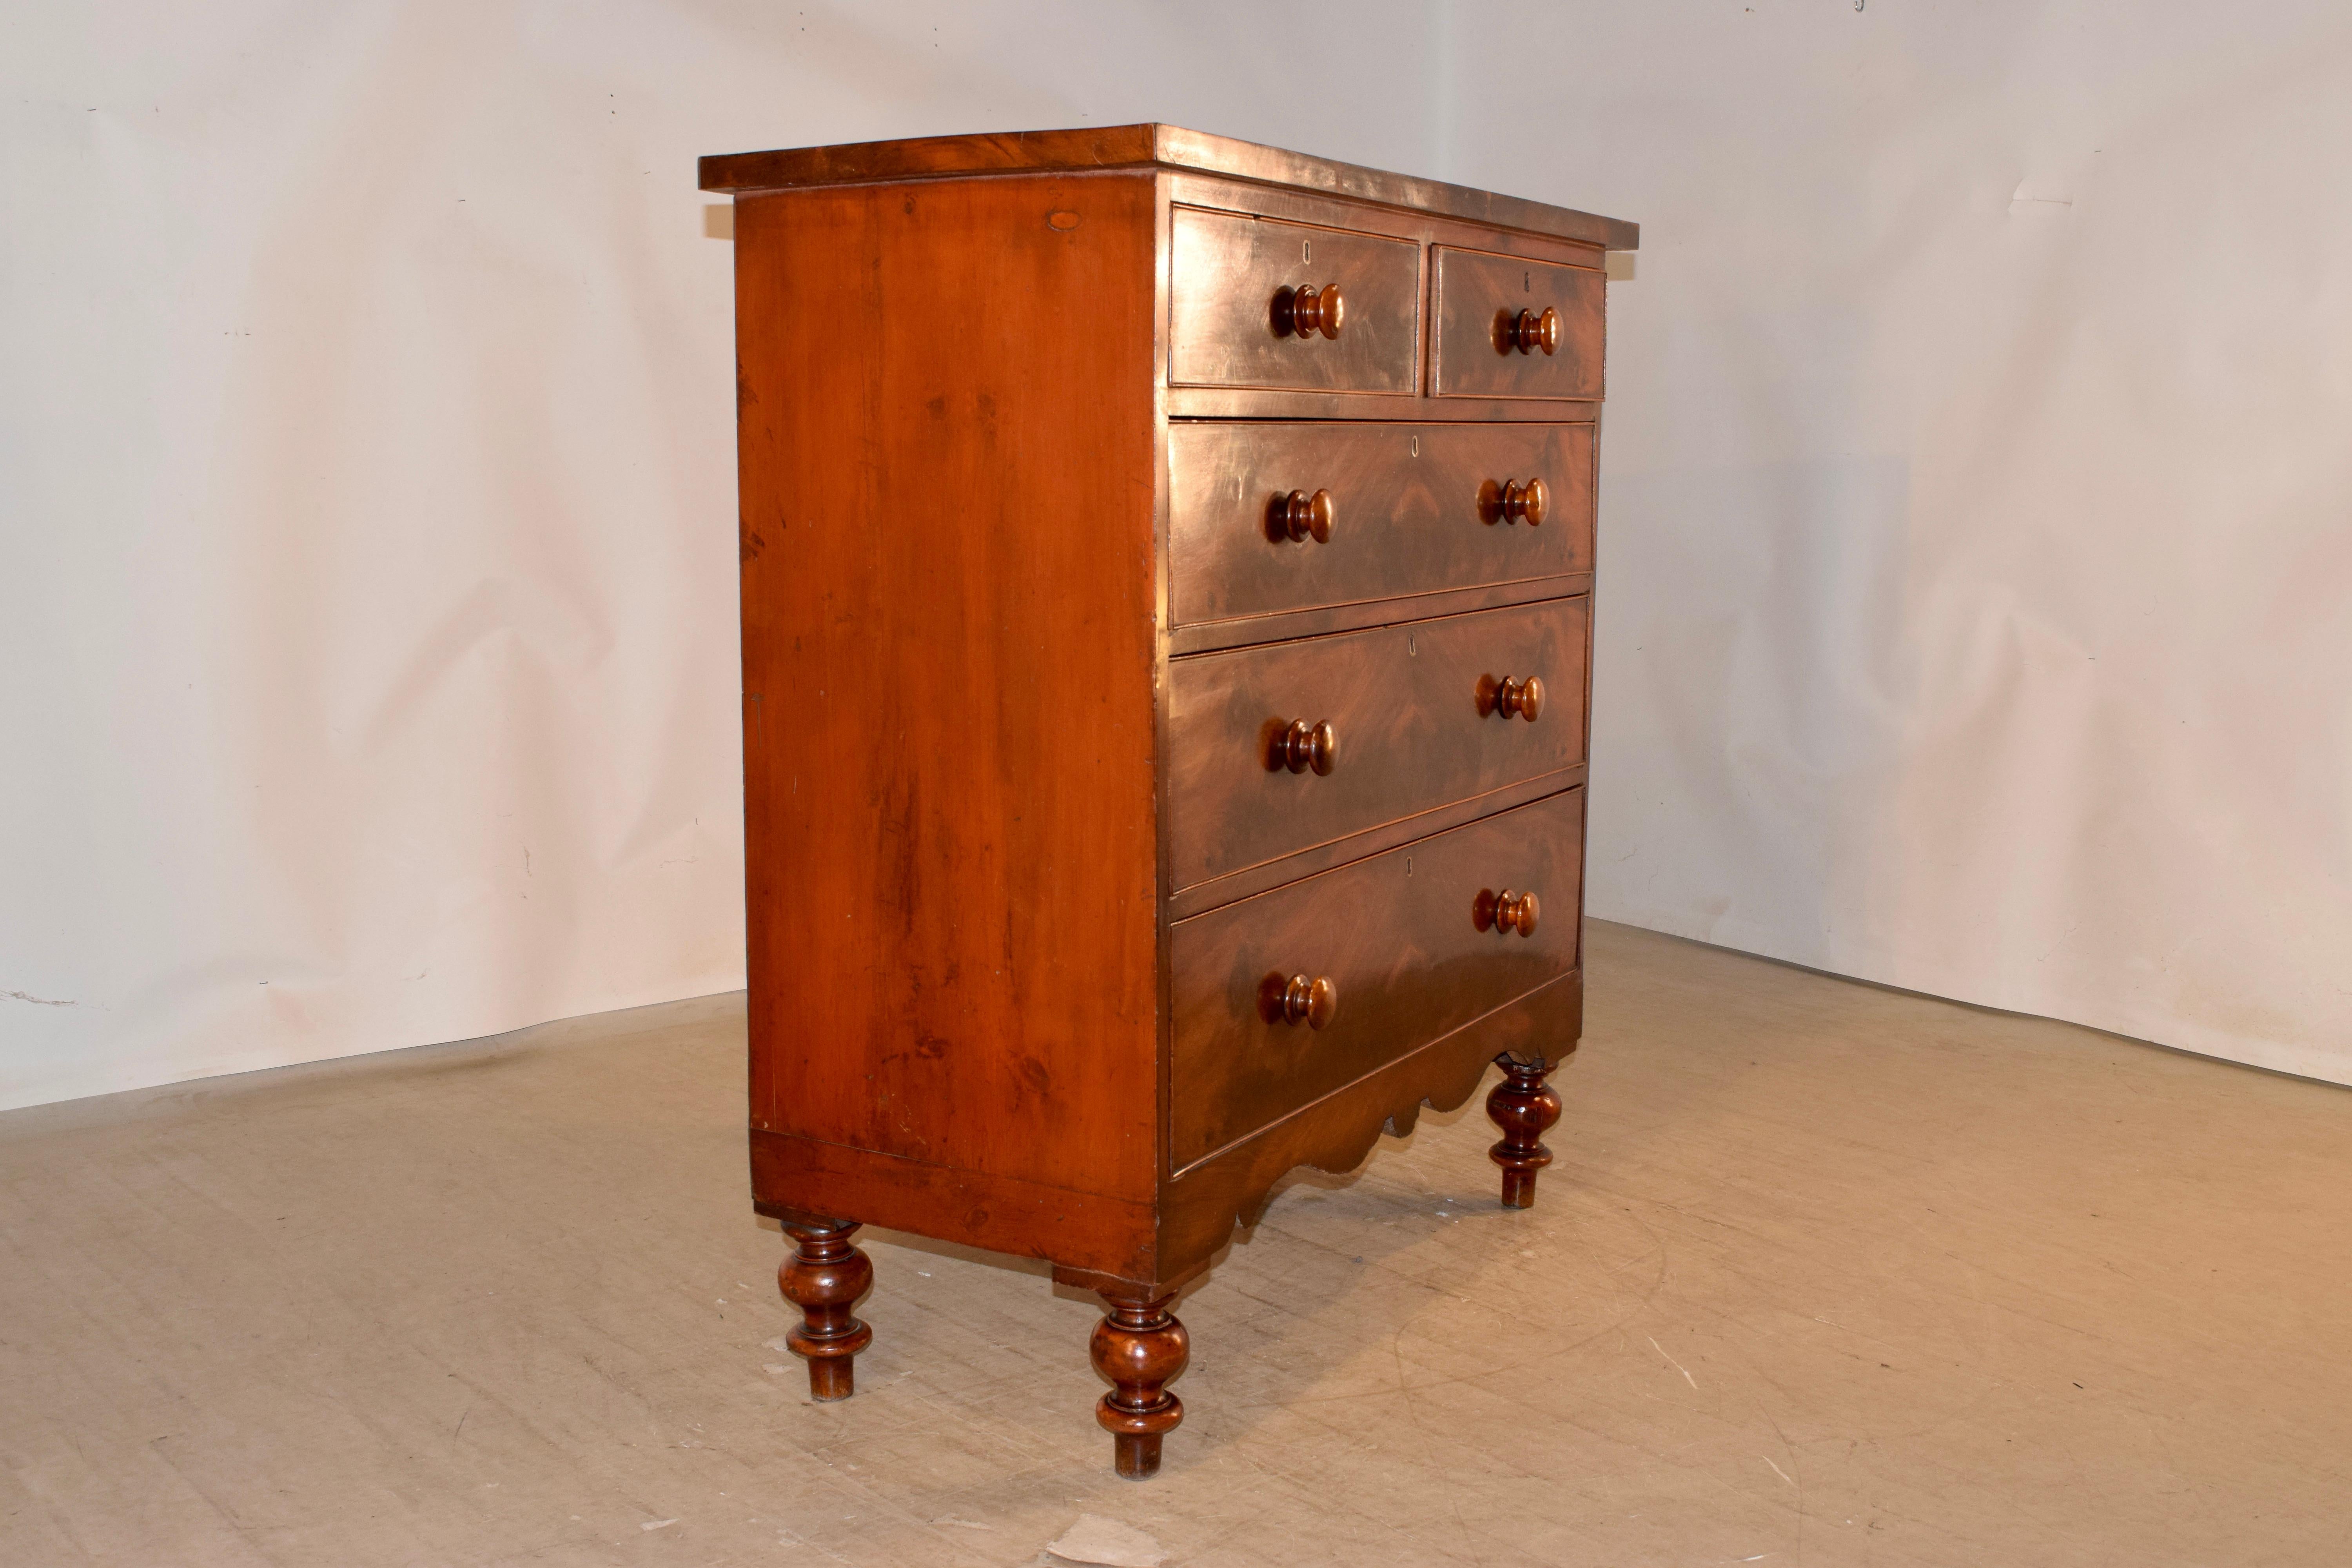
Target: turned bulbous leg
x: 1140, y: 1347
x: 823, y: 1278
x: 1525, y: 1107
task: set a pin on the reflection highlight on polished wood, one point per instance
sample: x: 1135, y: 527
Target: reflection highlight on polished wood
x: 824, y: 1276
x: 1505, y: 911
x: 1239, y: 317
x: 1527, y: 331
x: 1514, y: 501
x: 1405, y: 700
x: 1525, y: 1106
x: 1492, y: 311
x: 1306, y: 311
x: 1138, y: 1348
x: 1048, y: 946
x: 1301, y: 746
x: 1407, y: 502
x: 1392, y: 935
x: 1299, y: 516
x: 1511, y: 699
x: 1299, y: 1000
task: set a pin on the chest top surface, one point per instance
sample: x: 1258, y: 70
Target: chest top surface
x: 1150, y: 146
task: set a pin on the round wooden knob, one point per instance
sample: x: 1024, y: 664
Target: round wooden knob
x: 1299, y: 1000
x: 1505, y: 912
x: 1511, y: 502
x: 1531, y: 331
x: 1307, y: 516
x: 1308, y: 310
x: 1511, y: 699
x: 1304, y: 746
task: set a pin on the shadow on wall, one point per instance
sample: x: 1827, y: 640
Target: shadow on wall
x: 1752, y: 677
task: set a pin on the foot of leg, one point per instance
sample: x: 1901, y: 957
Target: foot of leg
x: 1140, y: 1347
x: 823, y: 1278
x: 1525, y: 1107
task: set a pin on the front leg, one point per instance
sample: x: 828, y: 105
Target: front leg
x: 823, y: 1278
x: 1525, y: 1107
x: 1140, y: 1347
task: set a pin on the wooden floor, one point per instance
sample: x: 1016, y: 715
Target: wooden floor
x: 1824, y: 1275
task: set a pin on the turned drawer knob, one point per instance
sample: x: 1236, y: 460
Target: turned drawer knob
x: 1529, y: 331
x: 1299, y: 1000
x: 1306, y: 311
x: 1512, y: 502
x: 1505, y: 912
x: 1302, y: 746
x: 1304, y: 516
x: 1511, y: 699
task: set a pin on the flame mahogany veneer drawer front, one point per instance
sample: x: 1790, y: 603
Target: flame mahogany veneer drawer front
x: 1491, y: 327
x: 1250, y: 779
x: 1398, y: 941
x: 1235, y: 284
x: 1285, y: 515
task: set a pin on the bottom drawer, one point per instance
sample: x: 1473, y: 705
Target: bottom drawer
x: 1398, y: 940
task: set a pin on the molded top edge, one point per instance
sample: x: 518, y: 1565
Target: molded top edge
x: 1146, y: 146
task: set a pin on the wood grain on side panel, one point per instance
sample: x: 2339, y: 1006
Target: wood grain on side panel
x: 948, y: 601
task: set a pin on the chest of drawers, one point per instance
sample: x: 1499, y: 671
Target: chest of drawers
x: 1166, y: 577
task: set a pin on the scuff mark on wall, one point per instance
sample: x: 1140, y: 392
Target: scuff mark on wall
x: 2024, y: 200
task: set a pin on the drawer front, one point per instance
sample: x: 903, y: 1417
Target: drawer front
x: 1398, y: 938
x: 1413, y: 509
x: 1481, y: 297
x: 1233, y: 279
x: 1403, y: 705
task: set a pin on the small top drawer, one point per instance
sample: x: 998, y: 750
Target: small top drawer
x: 1509, y: 327
x: 1235, y: 313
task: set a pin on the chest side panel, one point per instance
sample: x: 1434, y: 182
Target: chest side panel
x: 946, y: 446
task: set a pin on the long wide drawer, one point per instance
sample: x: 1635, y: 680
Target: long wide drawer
x: 1274, y: 516
x: 1275, y: 749
x: 1405, y: 946
x: 1234, y: 283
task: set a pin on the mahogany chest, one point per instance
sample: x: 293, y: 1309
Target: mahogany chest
x: 1167, y: 570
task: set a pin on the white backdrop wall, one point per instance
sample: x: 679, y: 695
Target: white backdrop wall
x: 1976, y: 503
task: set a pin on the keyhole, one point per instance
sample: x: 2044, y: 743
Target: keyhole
x: 1306, y: 250
x: 1527, y: 281
x: 1416, y: 445
x: 1411, y: 647
x: 1408, y: 864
